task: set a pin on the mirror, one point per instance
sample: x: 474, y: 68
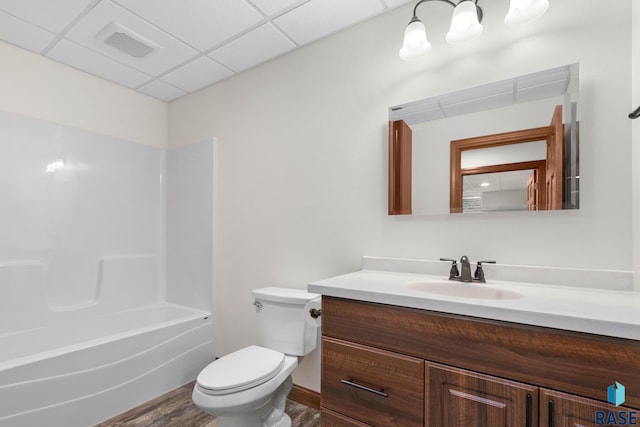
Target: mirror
x: 468, y: 151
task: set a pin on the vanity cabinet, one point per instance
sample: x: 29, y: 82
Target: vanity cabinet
x: 386, y: 365
x: 559, y: 409
x: 459, y: 398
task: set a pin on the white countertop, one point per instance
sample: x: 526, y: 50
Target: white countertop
x: 604, y: 312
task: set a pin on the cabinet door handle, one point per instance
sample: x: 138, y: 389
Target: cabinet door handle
x: 528, y: 422
x: 361, y: 387
x: 551, y: 412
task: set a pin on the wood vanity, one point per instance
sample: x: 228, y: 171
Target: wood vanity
x: 385, y: 365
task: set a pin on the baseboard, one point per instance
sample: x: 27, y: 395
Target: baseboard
x: 305, y: 396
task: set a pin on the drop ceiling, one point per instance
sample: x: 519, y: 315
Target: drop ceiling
x: 175, y: 46
x: 499, y: 181
x: 529, y: 87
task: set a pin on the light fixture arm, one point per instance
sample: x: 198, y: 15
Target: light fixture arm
x: 450, y: 3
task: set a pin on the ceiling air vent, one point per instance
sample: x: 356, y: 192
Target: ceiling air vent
x: 127, y: 41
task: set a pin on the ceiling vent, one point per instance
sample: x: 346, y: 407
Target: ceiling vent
x: 127, y: 41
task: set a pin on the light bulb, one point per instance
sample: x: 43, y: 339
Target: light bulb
x: 521, y: 4
x: 525, y: 11
x: 415, y: 41
x: 465, y: 25
x: 415, y: 34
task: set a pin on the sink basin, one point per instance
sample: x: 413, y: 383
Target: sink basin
x: 465, y: 290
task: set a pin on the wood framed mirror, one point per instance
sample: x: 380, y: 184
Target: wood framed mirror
x: 421, y: 131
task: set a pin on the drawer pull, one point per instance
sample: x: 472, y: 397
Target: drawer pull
x: 361, y: 387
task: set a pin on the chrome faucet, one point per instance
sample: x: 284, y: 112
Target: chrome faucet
x: 465, y: 274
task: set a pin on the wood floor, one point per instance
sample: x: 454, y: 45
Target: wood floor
x: 175, y: 409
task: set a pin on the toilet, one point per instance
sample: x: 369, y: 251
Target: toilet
x: 249, y: 387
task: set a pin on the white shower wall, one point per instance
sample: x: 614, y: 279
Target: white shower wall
x: 83, y: 222
x: 80, y: 215
x: 190, y: 224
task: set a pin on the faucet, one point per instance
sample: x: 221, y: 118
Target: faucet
x: 465, y: 274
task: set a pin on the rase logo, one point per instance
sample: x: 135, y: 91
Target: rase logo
x: 616, y: 396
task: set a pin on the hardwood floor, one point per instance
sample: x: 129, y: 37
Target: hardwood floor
x: 175, y: 409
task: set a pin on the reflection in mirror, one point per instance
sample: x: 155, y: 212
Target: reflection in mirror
x: 503, y: 178
x: 522, y: 104
x: 510, y: 145
x: 498, y: 191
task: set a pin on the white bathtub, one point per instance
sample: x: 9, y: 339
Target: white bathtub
x: 80, y: 370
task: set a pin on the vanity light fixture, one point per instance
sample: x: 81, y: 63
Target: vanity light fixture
x: 465, y: 24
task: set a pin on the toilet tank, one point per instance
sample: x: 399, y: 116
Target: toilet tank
x: 281, y: 320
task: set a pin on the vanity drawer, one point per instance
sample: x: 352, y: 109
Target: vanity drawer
x: 333, y: 419
x: 370, y: 385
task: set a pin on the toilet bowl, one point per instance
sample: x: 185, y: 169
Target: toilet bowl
x: 249, y: 387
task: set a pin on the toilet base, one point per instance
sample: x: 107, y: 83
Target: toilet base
x: 271, y: 414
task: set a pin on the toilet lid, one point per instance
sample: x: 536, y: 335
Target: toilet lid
x: 240, y: 370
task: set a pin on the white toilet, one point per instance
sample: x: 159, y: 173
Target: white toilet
x: 249, y: 387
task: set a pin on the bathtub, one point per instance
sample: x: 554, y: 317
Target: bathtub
x: 80, y: 369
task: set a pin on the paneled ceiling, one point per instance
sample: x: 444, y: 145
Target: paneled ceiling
x: 168, y: 48
x: 529, y: 87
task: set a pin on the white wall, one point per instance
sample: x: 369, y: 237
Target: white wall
x: 303, y: 154
x: 514, y: 200
x: 38, y: 87
x: 635, y: 140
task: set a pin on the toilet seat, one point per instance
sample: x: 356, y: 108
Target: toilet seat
x: 240, y: 370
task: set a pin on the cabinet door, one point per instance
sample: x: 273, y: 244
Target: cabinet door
x: 567, y: 410
x: 460, y: 398
x: 373, y: 386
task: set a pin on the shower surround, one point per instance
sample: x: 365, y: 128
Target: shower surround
x: 89, y: 324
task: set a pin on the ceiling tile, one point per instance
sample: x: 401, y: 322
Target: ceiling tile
x: 197, y: 74
x: 423, y: 110
x: 479, y: 104
x: 395, y: 3
x: 559, y: 74
x: 243, y: 33
x: 201, y: 23
x: 271, y: 7
x: 171, y: 53
x: 540, y: 92
x: 421, y: 116
x: 51, y: 15
x: 415, y: 106
x: 476, y: 94
x: 23, y: 34
x: 255, y: 47
x: 87, y: 60
x: 319, y: 18
x: 161, y: 90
